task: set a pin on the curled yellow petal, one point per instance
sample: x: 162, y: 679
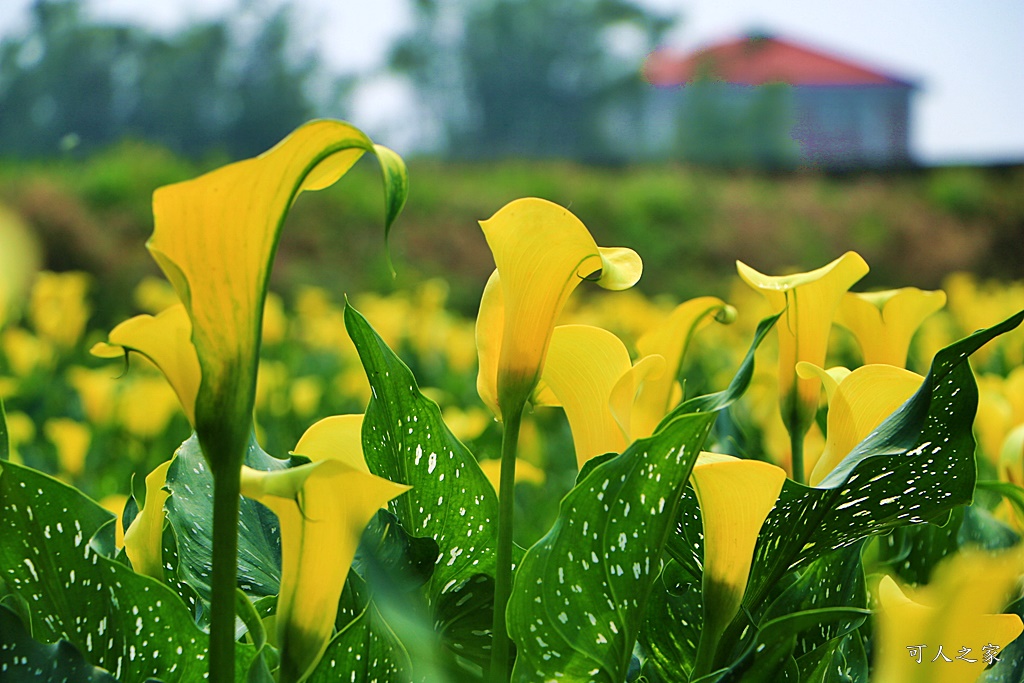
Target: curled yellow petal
x: 215, y: 237
x: 735, y: 497
x: 625, y: 396
x: 884, y: 322
x: 670, y: 340
x: 490, y: 328
x: 830, y: 379
x: 959, y: 608
x: 165, y: 339
x: 810, y: 301
x: 583, y: 366
x: 143, y: 539
x: 862, y: 400
x: 339, y: 437
x: 542, y: 251
x: 323, y: 508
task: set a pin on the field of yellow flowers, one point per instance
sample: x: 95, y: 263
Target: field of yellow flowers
x: 797, y: 481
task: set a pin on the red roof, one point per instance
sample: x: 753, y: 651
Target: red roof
x: 756, y: 60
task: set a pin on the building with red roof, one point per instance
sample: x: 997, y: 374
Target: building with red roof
x: 763, y: 100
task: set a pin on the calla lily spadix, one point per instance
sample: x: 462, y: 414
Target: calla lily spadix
x: 959, y: 608
x: 810, y: 301
x: 735, y: 497
x: 542, y: 252
x: 884, y: 322
x: 858, y: 402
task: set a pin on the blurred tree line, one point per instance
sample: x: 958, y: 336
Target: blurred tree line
x: 69, y: 82
x: 527, y: 78
x: 493, y: 78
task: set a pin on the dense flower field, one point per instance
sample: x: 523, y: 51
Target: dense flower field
x: 798, y: 481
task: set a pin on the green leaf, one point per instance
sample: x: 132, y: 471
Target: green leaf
x: 842, y: 660
x: 834, y: 580
x: 916, y: 466
x: 579, y: 595
x: 1011, y: 492
x: 24, y: 659
x: 131, y: 625
x: 388, y: 555
x: 672, y: 630
x: 396, y: 190
x: 770, y: 658
x: 365, y: 648
x: 1010, y: 667
x: 190, y: 513
x: 5, y: 442
x: 405, y: 441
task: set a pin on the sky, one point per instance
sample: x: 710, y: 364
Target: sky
x: 966, y: 57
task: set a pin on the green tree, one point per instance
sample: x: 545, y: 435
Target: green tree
x: 526, y: 77
x: 210, y: 85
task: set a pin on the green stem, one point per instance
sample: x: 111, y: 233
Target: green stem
x: 796, y: 445
x: 705, y: 655
x: 226, y: 489
x: 501, y: 647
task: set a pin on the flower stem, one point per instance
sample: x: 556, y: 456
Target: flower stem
x: 501, y: 650
x: 796, y: 446
x: 226, y: 487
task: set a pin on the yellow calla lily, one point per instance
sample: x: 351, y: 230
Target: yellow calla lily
x: 589, y: 374
x: 339, y: 437
x: 166, y: 340
x: 215, y: 237
x: 858, y: 403
x: 542, y: 251
x: 19, y: 261
x: 670, y: 340
x: 143, y: 539
x: 957, y: 611
x: 72, y: 439
x: 810, y: 301
x: 320, y: 531
x: 735, y: 497
x: 584, y: 363
x: 884, y: 322
x: 1011, y: 457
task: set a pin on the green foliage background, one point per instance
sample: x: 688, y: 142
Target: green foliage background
x: 690, y: 224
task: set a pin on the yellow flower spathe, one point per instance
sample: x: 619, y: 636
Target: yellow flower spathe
x: 958, y: 608
x: 215, y: 238
x: 19, y: 261
x: 72, y: 439
x: 670, y: 340
x: 858, y: 402
x: 58, y: 306
x: 322, y: 508
x: 810, y: 301
x: 884, y: 322
x: 166, y: 340
x: 735, y: 497
x: 542, y: 251
x: 143, y: 539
